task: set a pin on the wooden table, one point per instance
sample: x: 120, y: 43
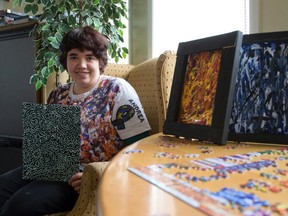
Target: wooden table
x: 122, y: 192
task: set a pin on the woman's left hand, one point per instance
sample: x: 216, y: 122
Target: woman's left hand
x: 75, y: 181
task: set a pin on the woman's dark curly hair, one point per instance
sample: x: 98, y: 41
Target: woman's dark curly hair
x: 85, y: 38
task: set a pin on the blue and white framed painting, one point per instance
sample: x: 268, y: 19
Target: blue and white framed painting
x: 260, y: 105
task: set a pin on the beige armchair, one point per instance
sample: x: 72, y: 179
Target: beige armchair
x: 152, y: 80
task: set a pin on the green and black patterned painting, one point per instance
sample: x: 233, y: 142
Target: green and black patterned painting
x: 51, y: 141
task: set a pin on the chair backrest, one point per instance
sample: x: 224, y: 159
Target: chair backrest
x: 165, y: 72
x: 118, y: 70
x: 152, y: 80
x: 143, y: 78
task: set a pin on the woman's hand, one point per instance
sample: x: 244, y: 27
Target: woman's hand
x: 75, y: 181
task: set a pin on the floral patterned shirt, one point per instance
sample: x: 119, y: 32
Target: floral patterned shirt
x: 110, y: 113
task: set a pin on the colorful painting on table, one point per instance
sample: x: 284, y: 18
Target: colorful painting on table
x: 261, y: 95
x: 199, y: 89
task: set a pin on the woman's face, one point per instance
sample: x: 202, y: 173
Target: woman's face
x: 83, y: 67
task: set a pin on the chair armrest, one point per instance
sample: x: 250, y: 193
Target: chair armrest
x: 86, y: 203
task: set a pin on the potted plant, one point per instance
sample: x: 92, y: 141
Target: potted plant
x: 59, y: 16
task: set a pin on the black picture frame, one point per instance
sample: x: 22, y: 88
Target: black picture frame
x: 216, y: 131
x: 260, y: 105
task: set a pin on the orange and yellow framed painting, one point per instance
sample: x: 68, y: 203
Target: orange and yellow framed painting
x: 203, y: 86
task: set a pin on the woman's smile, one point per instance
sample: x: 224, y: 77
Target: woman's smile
x: 83, y: 74
x: 83, y: 67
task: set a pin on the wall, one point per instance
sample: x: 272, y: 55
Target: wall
x: 268, y: 16
x: 9, y: 5
x: 139, y: 31
x: 274, y: 15
x: 254, y: 14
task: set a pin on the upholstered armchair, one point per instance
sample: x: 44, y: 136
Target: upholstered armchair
x: 152, y: 80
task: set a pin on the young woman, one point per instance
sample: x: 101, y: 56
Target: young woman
x: 111, y: 117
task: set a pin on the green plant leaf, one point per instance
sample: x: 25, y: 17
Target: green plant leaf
x: 67, y: 6
x: 41, y: 54
x: 17, y: 3
x: 49, y: 55
x: 44, y: 72
x: 38, y: 85
x: 45, y: 27
x: 34, y: 9
x: 27, y: 8
x: 96, y: 24
x: 56, y: 45
x: 89, y: 21
x: 74, y: 3
x: 50, y: 62
x: 64, y: 28
x: 44, y: 80
x: 52, y: 69
x: 116, y: 58
x: 34, y: 78
x: 54, y: 9
x: 119, y: 53
x: 125, y: 50
x: 46, y: 33
x: 44, y: 2
x: 120, y: 38
x: 58, y: 36
x: 52, y: 39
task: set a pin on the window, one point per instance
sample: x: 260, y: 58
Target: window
x: 175, y: 21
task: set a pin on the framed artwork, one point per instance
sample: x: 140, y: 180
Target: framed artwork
x: 202, y: 89
x: 260, y: 105
x: 51, y: 141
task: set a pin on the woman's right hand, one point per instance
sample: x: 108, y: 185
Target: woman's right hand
x: 75, y: 181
